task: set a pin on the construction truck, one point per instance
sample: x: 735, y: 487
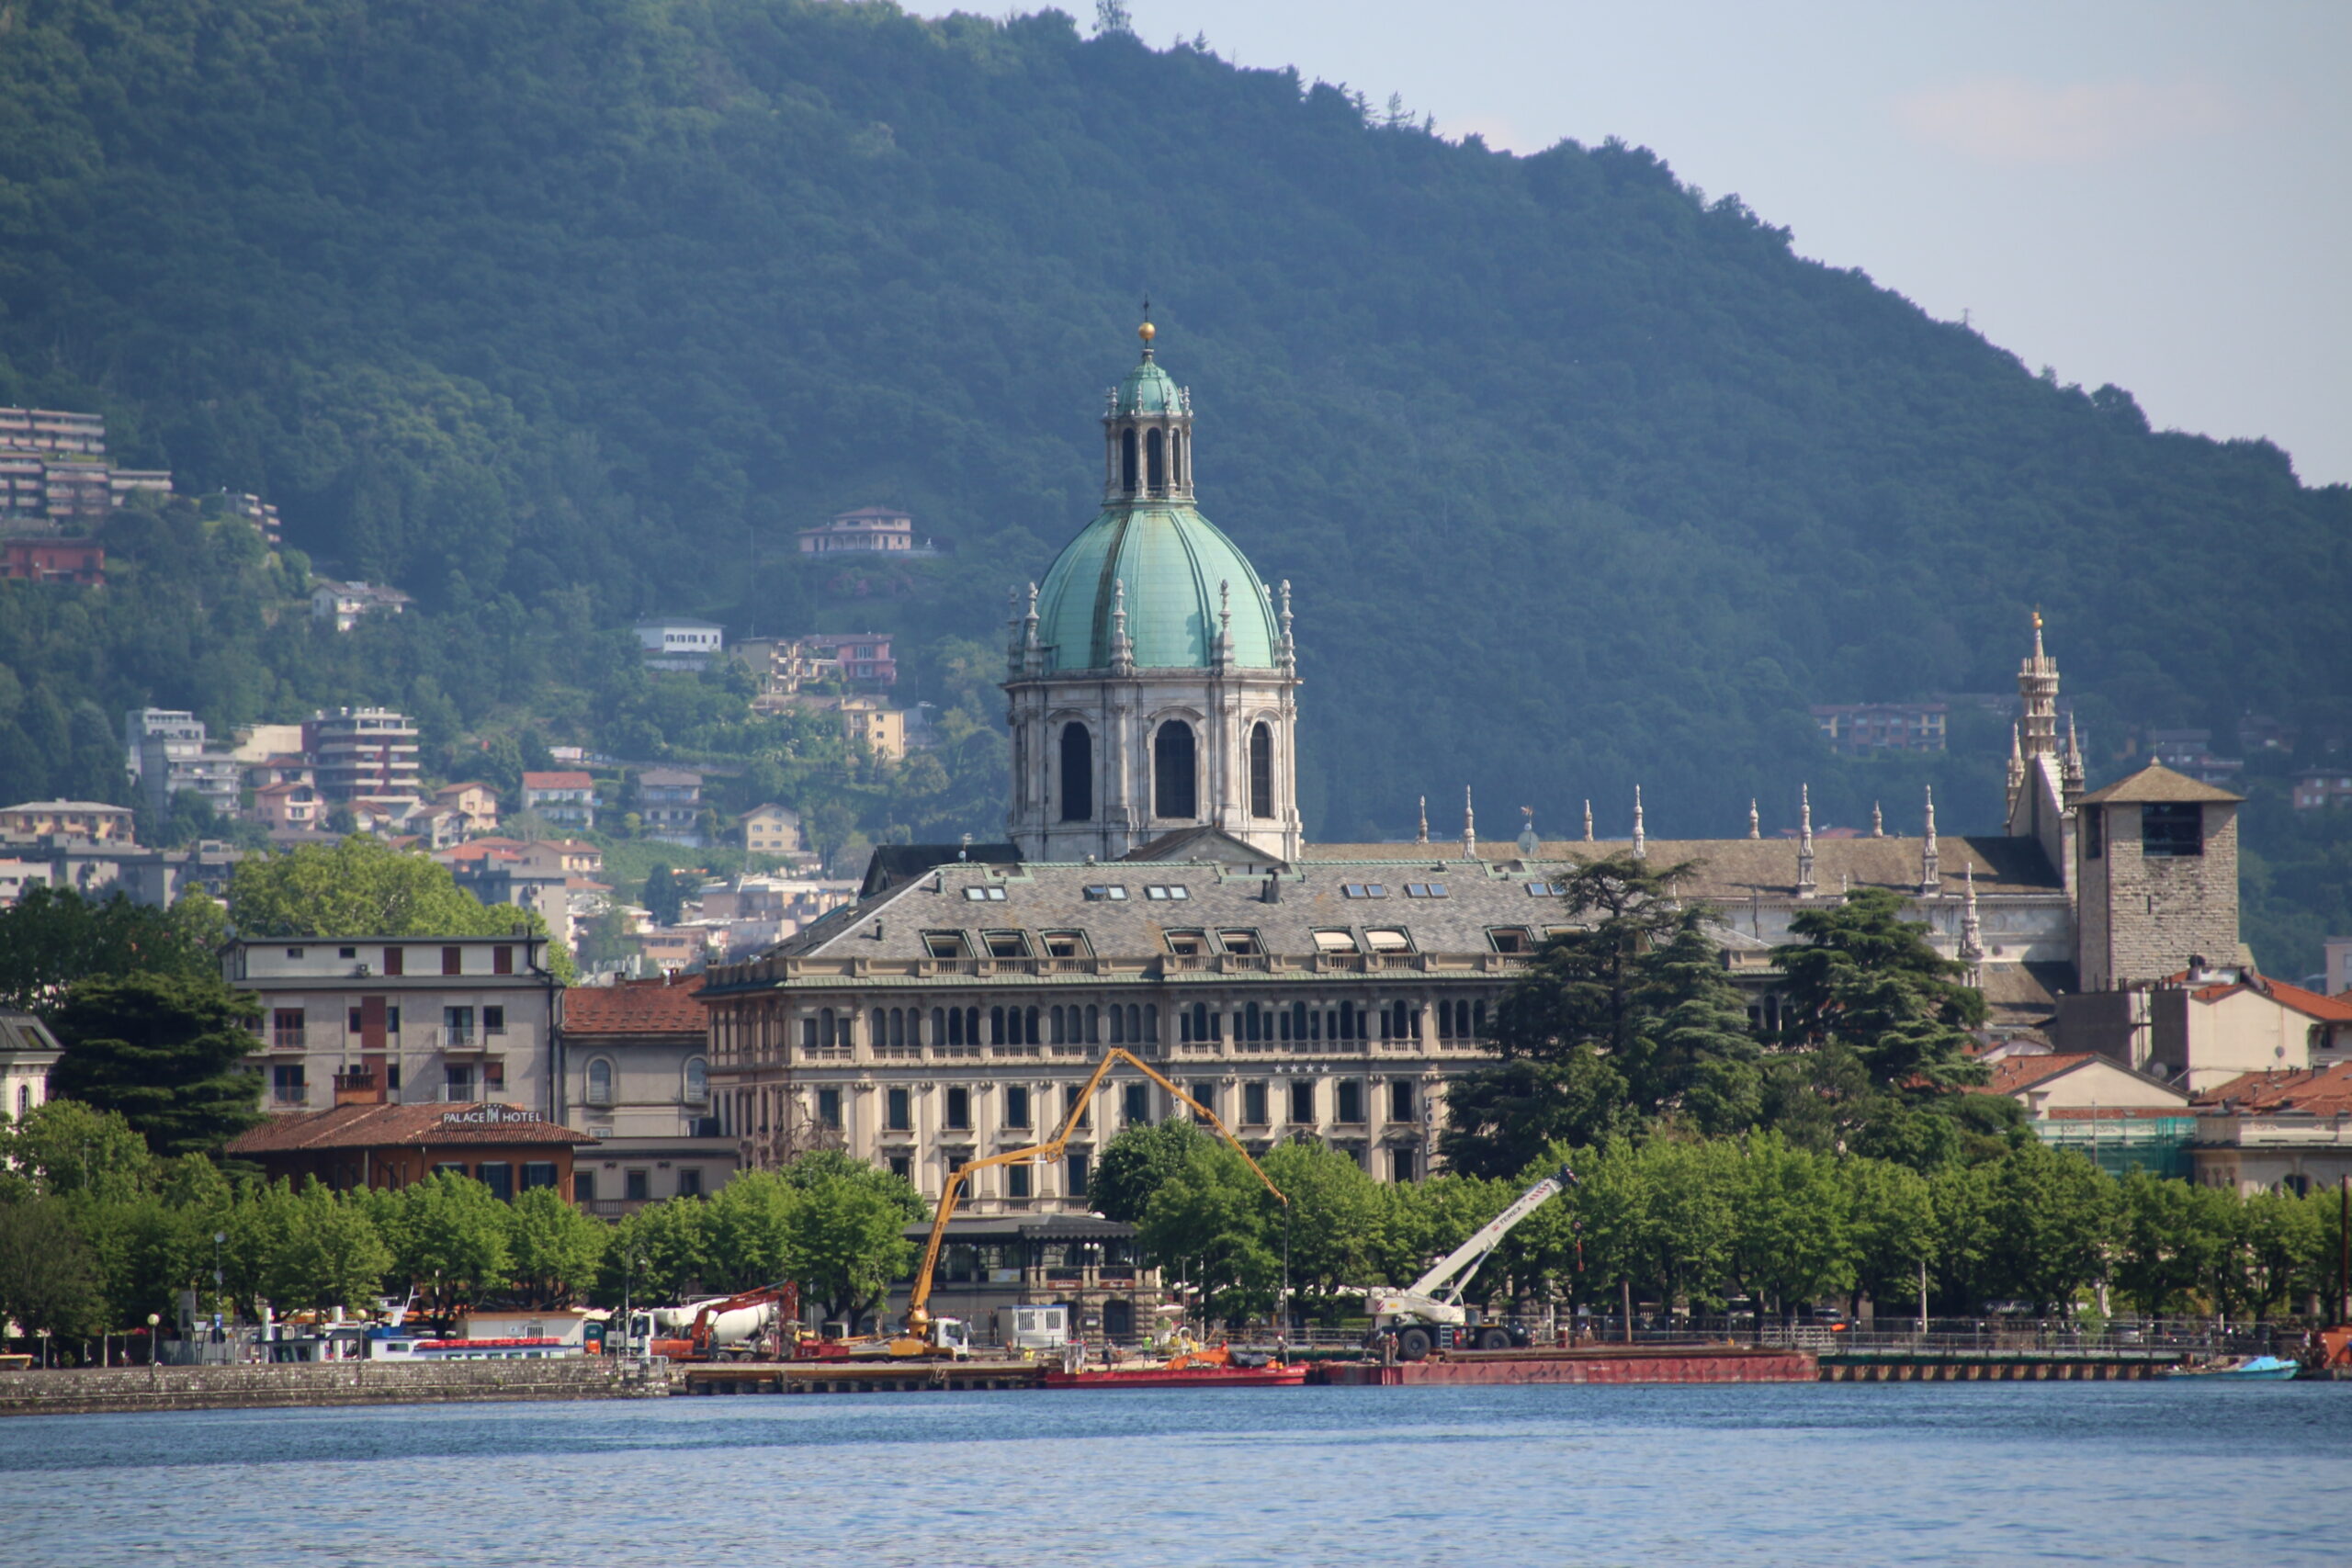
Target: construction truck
x: 1428, y: 1314
x: 929, y: 1337
x: 722, y: 1328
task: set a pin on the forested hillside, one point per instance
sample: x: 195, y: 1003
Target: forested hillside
x: 556, y: 312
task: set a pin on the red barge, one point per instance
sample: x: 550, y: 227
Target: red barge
x: 1273, y: 1374
x: 1583, y: 1364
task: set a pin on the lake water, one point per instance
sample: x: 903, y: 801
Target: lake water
x: 1812, y: 1474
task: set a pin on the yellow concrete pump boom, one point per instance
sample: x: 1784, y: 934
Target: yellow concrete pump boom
x: 918, y: 1305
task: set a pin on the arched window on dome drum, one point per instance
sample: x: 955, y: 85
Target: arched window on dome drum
x: 1174, y: 773
x: 1155, y: 451
x: 1262, y: 770
x: 1127, y: 461
x: 1078, y: 773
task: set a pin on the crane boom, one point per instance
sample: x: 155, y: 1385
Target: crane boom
x: 1455, y: 1269
x: 918, y: 1303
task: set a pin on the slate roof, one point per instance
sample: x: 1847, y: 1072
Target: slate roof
x: 1479, y: 897
x: 23, y: 1032
x: 636, y: 1006
x: 1734, y: 870
x: 2156, y: 783
x: 386, y: 1126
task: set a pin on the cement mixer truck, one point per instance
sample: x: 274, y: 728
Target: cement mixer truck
x: 741, y: 1328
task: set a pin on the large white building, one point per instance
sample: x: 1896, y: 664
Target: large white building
x: 1157, y: 894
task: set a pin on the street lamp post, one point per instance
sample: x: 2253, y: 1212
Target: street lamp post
x: 154, y: 1332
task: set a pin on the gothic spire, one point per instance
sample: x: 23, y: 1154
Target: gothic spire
x: 1530, y: 846
x: 1641, y: 846
x: 1422, y: 837
x: 1972, y: 931
x: 1469, y: 827
x: 1588, y: 821
x: 1805, y: 841
x: 1755, y: 820
x: 2038, y: 697
x: 1289, y: 651
x: 1930, y: 876
x: 1123, y: 648
x: 1878, y: 821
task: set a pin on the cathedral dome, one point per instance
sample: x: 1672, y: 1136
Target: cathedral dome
x: 1147, y: 389
x: 1172, y: 562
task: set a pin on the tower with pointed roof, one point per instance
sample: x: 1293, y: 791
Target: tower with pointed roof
x: 1151, y: 675
x: 2045, y: 779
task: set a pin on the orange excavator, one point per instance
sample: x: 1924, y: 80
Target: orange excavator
x: 926, y: 1336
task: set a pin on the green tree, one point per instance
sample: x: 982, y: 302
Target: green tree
x: 1333, y: 1221
x: 1866, y: 980
x: 169, y: 1053
x: 2166, y: 1242
x: 1136, y: 1162
x: 1626, y: 1020
x: 2052, y: 1214
x: 750, y: 1227
x: 447, y: 1232
x: 327, y: 1252
x: 1895, y: 1228
x: 1795, y: 1231
x: 48, y: 1279
x: 66, y: 1147
x: 556, y: 1251
x: 846, y: 1237
x: 52, y: 938
x: 664, y: 895
x: 1209, y: 1226
x: 363, y: 886
x: 662, y: 1252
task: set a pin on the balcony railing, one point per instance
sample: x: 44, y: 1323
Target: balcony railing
x: 288, y: 1039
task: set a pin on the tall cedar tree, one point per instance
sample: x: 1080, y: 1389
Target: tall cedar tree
x: 169, y: 1051
x: 1865, y: 982
x: 1624, y: 1021
x: 53, y: 937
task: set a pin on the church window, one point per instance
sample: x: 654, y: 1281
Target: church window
x: 2170, y: 828
x: 1174, y: 789
x: 1155, y: 449
x: 1078, y: 773
x: 1127, y: 461
x: 1261, y: 771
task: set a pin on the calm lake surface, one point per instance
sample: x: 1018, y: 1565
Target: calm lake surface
x: 1816, y: 1475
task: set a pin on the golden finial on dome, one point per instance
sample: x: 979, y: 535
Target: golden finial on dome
x: 1147, y: 332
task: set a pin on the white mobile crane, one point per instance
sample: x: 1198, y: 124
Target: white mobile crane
x: 1428, y: 1314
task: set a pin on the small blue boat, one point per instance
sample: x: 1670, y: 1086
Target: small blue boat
x: 2257, y: 1368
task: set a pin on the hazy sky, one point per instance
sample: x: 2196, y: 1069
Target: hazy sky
x: 2145, y: 192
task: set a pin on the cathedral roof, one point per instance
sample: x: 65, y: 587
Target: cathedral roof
x: 1176, y: 566
x: 1734, y: 870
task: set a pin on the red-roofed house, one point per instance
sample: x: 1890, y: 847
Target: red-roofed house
x: 2201, y: 1028
x: 567, y: 798
x: 362, y: 1142
x: 636, y: 1079
x: 2287, y: 1131
x: 2124, y: 1120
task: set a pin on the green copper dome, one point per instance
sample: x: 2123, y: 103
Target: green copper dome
x: 1172, y: 560
x: 1146, y: 390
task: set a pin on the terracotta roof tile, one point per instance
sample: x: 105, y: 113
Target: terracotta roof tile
x: 2321, y: 1090
x: 636, y: 1006
x: 380, y: 1126
x: 2013, y: 1075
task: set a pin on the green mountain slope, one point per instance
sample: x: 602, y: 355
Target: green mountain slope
x: 554, y: 312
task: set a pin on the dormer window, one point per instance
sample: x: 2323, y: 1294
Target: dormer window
x: 1065, y: 944
x: 1188, y: 944
x: 1006, y: 945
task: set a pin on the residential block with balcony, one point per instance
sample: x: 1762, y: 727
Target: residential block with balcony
x: 364, y: 756
x: 455, y: 1019
x: 636, y: 1079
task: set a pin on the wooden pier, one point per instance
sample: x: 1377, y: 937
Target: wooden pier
x: 860, y: 1377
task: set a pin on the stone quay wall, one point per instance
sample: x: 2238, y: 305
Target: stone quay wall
x: 95, y: 1391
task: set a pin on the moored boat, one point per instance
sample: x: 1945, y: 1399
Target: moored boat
x: 2250, y: 1369
x: 1273, y: 1374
